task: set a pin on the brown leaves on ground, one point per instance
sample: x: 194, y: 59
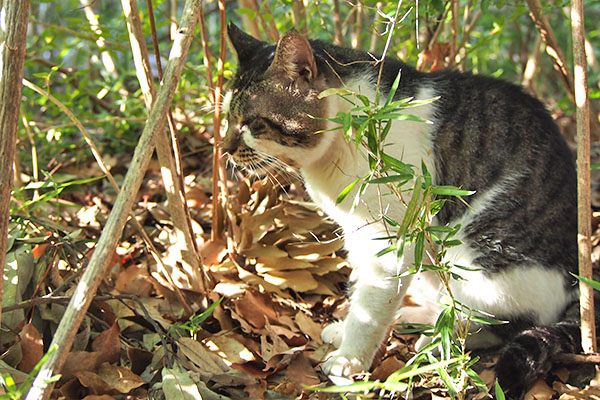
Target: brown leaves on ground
x: 280, y: 280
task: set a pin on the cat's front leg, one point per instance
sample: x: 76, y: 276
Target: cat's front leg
x: 374, y: 302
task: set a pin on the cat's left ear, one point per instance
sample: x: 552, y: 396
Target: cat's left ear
x: 294, y: 57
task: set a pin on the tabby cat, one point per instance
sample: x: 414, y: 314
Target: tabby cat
x: 518, y: 232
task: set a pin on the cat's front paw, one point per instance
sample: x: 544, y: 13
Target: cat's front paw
x: 333, y: 334
x: 341, y: 365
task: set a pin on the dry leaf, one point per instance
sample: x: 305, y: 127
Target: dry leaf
x: 134, y: 280
x: 257, y: 390
x: 255, y: 307
x: 386, y: 368
x: 301, y: 372
x: 266, y: 264
x: 300, y: 281
x: 119, y: 378
x: 108, y: 345
x: 93, y: 382
x: 208, y: 363
x: 32, y: 347
x: 229, y: 349
x: 539, y: 391
x: 314, y: 251
x: 79, y: 361
x: 308, y: 326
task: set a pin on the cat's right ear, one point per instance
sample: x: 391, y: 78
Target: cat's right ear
x: 244, y: 45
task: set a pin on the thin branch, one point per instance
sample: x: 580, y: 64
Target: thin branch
x: 169, y: 155
x: 99, y: 262
x: 584, y: 209
x: 219, y: 173
x: 337, y: 23
x: 567, y: 358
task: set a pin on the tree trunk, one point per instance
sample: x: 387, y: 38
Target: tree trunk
x: 13, y: 31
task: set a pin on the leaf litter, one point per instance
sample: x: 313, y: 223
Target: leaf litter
x: 281, y: 281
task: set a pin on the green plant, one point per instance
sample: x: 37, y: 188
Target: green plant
x: 15, y: 392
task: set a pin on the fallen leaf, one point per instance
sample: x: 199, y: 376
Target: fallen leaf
x: 139, y: 359
x: 313, y: 251
x: 255, y: 307
x: 208, y: 363
x: 134, y: 280
x: 300, y: 281
x: 79, y: 361
x: 32, y: 347
x: 108, y: 345
x: 301, y: 372
x: 93, y: 382
x: 539, y: 391
x: 119, y: 378
x: 178, y: 385
x: 257, y: 390
x: 308, y: 326
x: 229, y: 349
x: 386, y: 368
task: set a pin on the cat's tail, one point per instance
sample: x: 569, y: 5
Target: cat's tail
x: 530, y: 354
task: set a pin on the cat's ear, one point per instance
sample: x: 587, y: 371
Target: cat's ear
x: 294, y: 57
x: 244, y: 45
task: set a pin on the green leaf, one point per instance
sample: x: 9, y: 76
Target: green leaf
x: 419, y: 249
x: 594, y: 284
x: 333, y: 91
x: 396, y: 165
x: 347, y: 190
x: 451, y: 191
x: 393, y: 89
x: 392, y: 178
x: 408, y: 371
x: 246, y: 11
x: 411, y: 209
x: 356, y: 387
x: 499, y: 394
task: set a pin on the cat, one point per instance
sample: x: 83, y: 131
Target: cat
x: 486, y: 135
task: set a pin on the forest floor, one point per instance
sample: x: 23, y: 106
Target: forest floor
x: 279, y: 284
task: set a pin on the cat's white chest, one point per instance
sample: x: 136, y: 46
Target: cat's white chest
x: 408, y: 141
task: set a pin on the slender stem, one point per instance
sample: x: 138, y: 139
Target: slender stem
x: 586, y: 298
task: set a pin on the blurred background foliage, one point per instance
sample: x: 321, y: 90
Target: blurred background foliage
x: 86, y: 63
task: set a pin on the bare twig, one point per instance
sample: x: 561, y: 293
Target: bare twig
x: 274, y: 33
x: 250, y: 24
x: 219, y: 173
x: 584, y: 210
x: 168, y: 152
x: 552, y: 47
x: 99, y: 261
x: 337, y: 23
x: 566, y: 358
x: 13, y: 31
x: 299, y: 16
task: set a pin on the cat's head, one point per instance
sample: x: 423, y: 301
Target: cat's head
x: 275, y: 113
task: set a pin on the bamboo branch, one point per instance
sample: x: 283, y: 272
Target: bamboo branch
x: 165, y: 149
x: 219, y: 173
x: 337, y: 23
x: 584, y: 210
x: 99, y: 262
x: 13, y: 32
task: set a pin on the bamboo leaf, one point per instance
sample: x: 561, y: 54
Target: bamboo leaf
x: 451, y: 191
x: 346, y: 191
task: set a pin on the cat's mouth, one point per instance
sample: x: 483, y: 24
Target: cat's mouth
x: 258, y: 163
